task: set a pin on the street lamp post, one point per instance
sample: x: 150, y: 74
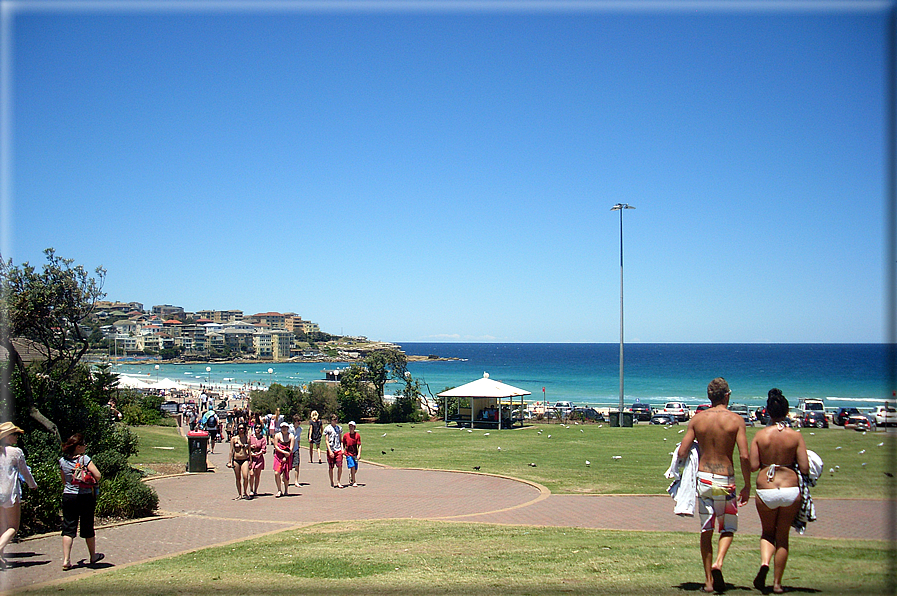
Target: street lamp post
x: 270, y: 377
x: 209, y: 378
x: 157, y: 373
x: 620, y: 207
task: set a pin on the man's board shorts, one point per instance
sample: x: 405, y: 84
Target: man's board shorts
x: 351, y: 461
x: 717, y: 502
x: 336, y: 459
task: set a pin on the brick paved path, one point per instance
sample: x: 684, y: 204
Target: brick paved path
x: 198, y: 512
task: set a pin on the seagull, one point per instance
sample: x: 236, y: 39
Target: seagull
x: 831, y: 471
x: 862, y: 451
x: 429, y: 431
x: 600, y: 425
x: 837, y: 467
x: 383, y: 452
x: 812, y: 434
x: 391, y: 449
x: 617, y: 457
x: 383, y: 435
x: 549, y: 436
x: 470, y: 431
x: 880, y: 444
x: 836, y: 448
x: 532, y: 465
x: 582, y: 431
x: 681, y: 431
x: 864, y: 464
x: 485, y: 434
x: 499, y: 448
x: 664, y: 438
x: 588, y: 463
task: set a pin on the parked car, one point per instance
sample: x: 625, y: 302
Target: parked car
x: 702, y: 407
x: 761, y: 415
x: 587, y: 414
x: 563, y: 408
x: 813, y: 418
x: 664, y: 418
x: 861, y: 422
x: 841, y: 416
x: 678, y: 409
x: 641, y: 411
x: 885, y: 415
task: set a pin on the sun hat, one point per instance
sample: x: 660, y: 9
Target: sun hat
x: 8, y: 428
x: 352, y: 423
x: 284, y: 423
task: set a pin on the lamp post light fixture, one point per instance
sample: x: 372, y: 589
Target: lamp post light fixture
x: 620, y: 207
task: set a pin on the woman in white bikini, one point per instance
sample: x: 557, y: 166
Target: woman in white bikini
x: 778, y: 453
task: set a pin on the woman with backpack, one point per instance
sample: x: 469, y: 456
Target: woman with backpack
x: 79, y: 498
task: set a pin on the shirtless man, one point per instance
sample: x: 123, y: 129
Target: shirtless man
x: 718, y: 431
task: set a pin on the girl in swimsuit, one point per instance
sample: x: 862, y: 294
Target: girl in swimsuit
x: 283, y: 456
x: 258, y: 446
x: 315, y: 430
x: 239, y: 460
x: 775, y: 452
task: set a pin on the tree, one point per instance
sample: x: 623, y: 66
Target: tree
x: 380, y: 366
x: 47, y: 308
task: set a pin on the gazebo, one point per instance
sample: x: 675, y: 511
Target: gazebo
x: 491, y: 404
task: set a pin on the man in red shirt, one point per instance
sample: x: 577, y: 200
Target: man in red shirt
x: 352, y: 446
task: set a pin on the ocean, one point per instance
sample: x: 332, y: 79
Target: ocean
x: 588, y: 374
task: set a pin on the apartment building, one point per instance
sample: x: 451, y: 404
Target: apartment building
x: 220, y: 316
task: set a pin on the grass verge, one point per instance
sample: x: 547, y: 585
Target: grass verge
x: 422, y: 557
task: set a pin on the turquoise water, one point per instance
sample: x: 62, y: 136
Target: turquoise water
x: 588, y: 374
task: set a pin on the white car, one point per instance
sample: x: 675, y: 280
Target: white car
x: 885, y: 415
x: 677, y: 409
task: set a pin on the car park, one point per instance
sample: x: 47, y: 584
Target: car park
x: 814, y: 419
x: 664, y: 418
x: 641, y: 411
x: 678, y: 409
x: 885, y: 415
x: 761, y: 415
x: 840, y: 417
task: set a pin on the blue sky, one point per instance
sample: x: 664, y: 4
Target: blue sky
x: 418, y: 174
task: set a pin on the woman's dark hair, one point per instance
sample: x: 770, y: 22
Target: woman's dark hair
x: 776, y: 404
x: 68, y: 448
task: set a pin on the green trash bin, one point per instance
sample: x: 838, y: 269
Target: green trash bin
x: 627, y: 419
x: 197, y: 445
x: 614, y: 419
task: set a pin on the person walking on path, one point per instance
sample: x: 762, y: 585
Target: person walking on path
x: 296, y: 431
x: 79, y: 498
x: 333, y: 436
x: 314, y: 437
x: 239, y: 460
x: 210, y: 423
x: 12, y: 464
x: 283, y: 454
x: 258, y: 446
x: 718, y: 431
x: 779, y: 454
x: 352, y: 445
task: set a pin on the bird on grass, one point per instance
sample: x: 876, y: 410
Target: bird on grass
x: 383, y: 435
x: 383, y: 452
x: 477, y: 468
x: 532, y: 465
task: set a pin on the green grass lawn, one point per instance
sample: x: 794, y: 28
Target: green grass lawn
x: 422, y: 558
x: 560, y: 455
x: 160, y: 448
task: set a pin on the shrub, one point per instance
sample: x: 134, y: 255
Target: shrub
x: 41, y: 506
x: 126, y: 496
x: 111, y: 463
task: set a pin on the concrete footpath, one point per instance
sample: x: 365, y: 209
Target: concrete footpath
x: 198, y: 510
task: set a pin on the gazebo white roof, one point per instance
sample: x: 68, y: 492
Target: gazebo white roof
x: 485, y: 387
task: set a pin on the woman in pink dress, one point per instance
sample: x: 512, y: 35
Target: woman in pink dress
x: 258, y: 446
x: 283, y: 458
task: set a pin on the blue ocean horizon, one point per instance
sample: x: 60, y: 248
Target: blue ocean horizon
x: 588, y: 374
